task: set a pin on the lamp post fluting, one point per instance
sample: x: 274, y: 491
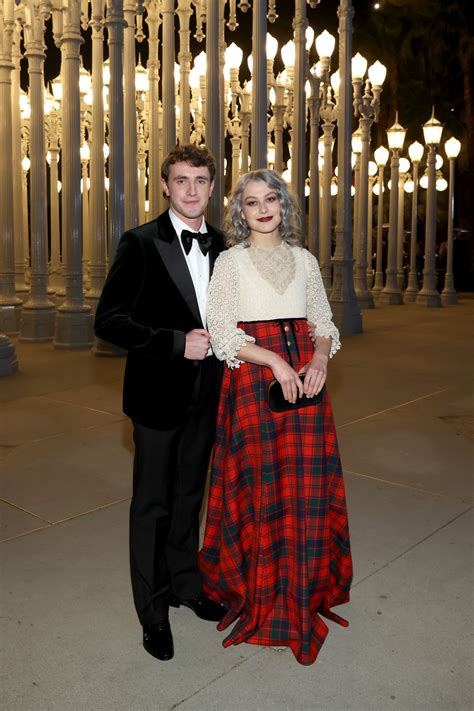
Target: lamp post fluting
x: 20, y: 282
x: 448, y: 295
x: 343, y: 300
x: 391, y: 293
x: 415, y: 152
x: 428, y: 294
x: 214, y: 109
x: 314, y: 189
x: 326, y: 202
x: 298, y: 156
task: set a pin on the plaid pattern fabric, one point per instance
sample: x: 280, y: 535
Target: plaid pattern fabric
x: 276, y: 547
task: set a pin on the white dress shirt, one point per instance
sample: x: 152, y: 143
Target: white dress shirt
x: 198, y: 264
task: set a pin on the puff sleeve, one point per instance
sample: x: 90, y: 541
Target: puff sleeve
x: 222, y: 311
x: 317, y: 304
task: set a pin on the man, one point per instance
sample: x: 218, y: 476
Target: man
x: 154, y: 305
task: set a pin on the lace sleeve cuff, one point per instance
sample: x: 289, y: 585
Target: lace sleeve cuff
x: 228, y: 350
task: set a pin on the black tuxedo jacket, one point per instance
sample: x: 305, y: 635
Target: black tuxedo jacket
x: 147, y: 306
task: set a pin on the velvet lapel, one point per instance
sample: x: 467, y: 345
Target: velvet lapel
x: 173, y: 258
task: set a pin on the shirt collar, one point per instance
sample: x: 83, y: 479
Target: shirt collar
x: 179, y: 225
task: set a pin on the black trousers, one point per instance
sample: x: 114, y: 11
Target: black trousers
x: 169, y: 478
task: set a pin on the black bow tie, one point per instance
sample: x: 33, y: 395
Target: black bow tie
x: 203, y: 238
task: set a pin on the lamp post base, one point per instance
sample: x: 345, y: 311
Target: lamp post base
x: 73, y: 328
x: 37, y: 323
x: 8, y: 359
x: 390, y: 297
x: 10, y: 314
x: 430, y: 299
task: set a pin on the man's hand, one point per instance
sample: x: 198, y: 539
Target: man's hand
x: 197, y: 344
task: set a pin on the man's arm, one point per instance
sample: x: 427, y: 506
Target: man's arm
x: 113, y: 319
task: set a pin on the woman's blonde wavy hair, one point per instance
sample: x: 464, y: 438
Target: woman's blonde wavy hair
x: 235, y: 227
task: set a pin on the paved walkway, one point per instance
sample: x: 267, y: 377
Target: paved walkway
x: 402, y: 396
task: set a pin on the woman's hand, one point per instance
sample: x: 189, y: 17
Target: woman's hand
x: 291, y: 384
x: 315, y: 374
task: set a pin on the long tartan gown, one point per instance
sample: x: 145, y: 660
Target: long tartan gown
x: 276, y: 548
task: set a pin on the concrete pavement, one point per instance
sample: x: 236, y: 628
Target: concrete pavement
x: 403, y: 401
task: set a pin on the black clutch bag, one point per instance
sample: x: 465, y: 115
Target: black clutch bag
x: 278, y: 403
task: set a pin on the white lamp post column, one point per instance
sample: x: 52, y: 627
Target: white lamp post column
x: 213, y: 109
x: 10, y: 304
x: 153, y: 20
x: 37, y: 323
x: 184, y: 59
x: 130, y: 119
x: 428, y: 295
x: 448, y: 295
x: 326, y: 199
x: 258, y: 152
x: 343, y: 300
x: 314, y: 188
x: 391, y: 293
x: 74, y: 318
x: 20, y: 284
x: 381, y: 156
x: 298, y: 154
x: 167, y: 77
x: 415, y: 152
x: 55, y: 277
x: 97, y: 215
x: 370, y: 224
x: 403, y: 168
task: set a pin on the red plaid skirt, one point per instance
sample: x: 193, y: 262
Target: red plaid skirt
x: 276, y: 549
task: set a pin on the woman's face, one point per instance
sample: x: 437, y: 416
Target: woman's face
x: 261, y: 207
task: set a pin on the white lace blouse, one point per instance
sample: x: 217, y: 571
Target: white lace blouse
x: 261, y: 284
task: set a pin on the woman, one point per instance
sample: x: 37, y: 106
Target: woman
x: 276, y: 547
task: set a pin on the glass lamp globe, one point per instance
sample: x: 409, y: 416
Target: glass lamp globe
x: 85, y: 151
x: 309, y: 36
x: 432, y: 131
x: 409, y: 186
x: 381, y: 155
x: 403, y: 166
x: 272, y: 46
x: 372, y: 168
x: 288, y: 54
x: 141, y: 78
x: 396, y: 135
x: 233, y: 56
x: 200, y: 62
x: 336, y: 81
x: 452, y: 147
x: 439, y: 161
x: 377, y: 73
x: 359, y: 66
x: 415, y: 151
x: 325, y: 43
x: 424, y: 181
x: 333, y: 189
x: 106, y: 72
x: 441, y: 185
x: 356, y: 142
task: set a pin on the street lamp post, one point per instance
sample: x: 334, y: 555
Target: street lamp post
x: 429, y: 296
x: 343, y: 299
x: 391, y: 293
x: 415, y: 151
x: 403, y: 175
x: 381, y: 156
x: 448, y: 295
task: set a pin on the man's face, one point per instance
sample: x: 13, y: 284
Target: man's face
x: 189, y: 190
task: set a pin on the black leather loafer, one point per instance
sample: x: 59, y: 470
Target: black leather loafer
x: 202, y: 606
x: 158, y: 640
